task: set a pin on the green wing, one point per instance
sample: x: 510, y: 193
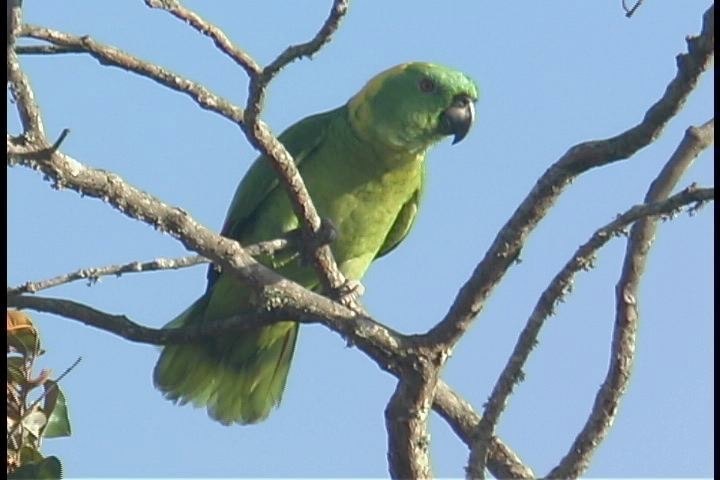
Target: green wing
x: 403, y: 222
x: 300, y: 140
x: 239, y: 378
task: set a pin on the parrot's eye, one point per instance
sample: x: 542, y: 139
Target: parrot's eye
x: 426, y: 85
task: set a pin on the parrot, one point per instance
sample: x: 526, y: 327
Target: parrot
x: 364, y: 167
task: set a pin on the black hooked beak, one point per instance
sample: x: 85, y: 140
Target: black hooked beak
x: 458, y: 117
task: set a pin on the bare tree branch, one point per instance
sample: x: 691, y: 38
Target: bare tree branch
x: 406, y: 419
x: 20, y: 86
x: 260, y: 137
x: 559, y: 287
x: 108, y: 55
x: 578, y: 159
x: 122, y: 326
x: 93, y: 274
x: 386, y: 346
x: 13, y: 21
x: 46, y: 50
x: 622, y: 353
x: 67, y: 172
x: 258, y: 85
x: 630, y: 11
x: 459, y: 414
x: 221, y: 40
x: 502, y: 462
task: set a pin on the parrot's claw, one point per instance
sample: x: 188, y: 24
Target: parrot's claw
x: 350, y: 291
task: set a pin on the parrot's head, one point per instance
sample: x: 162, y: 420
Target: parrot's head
x: 413, y: 105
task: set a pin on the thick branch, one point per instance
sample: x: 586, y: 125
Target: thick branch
x: 406, y: 419
x: 622, y: 353
x: 579, y: 159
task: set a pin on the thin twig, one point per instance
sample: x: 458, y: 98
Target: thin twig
x: 258, y: 85
x: 629, y: 12
x: 93, y: 274
x: 622, y: 353
x: 53, y: 386
x: 46, y: 50
x: 221, y: 40
x: 18, y: 147
x: 108, y: 55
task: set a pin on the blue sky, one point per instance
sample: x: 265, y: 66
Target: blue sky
x: 551, y: 74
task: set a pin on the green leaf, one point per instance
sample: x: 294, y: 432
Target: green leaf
x: 58, y: 424
x: 29, y: 454
x: 16, y: 369
x: 48, y: 468
x: 34, y: 421
x: 52, y: 392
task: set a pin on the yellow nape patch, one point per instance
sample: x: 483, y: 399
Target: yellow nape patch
x: 373, y: 85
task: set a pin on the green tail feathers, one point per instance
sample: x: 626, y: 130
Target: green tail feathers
x: 239, y: 379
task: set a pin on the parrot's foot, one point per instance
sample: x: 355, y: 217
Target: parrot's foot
x: 325, y: 235
x: 349, y: 292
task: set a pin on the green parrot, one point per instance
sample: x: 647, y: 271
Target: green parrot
x: 364, y: 165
